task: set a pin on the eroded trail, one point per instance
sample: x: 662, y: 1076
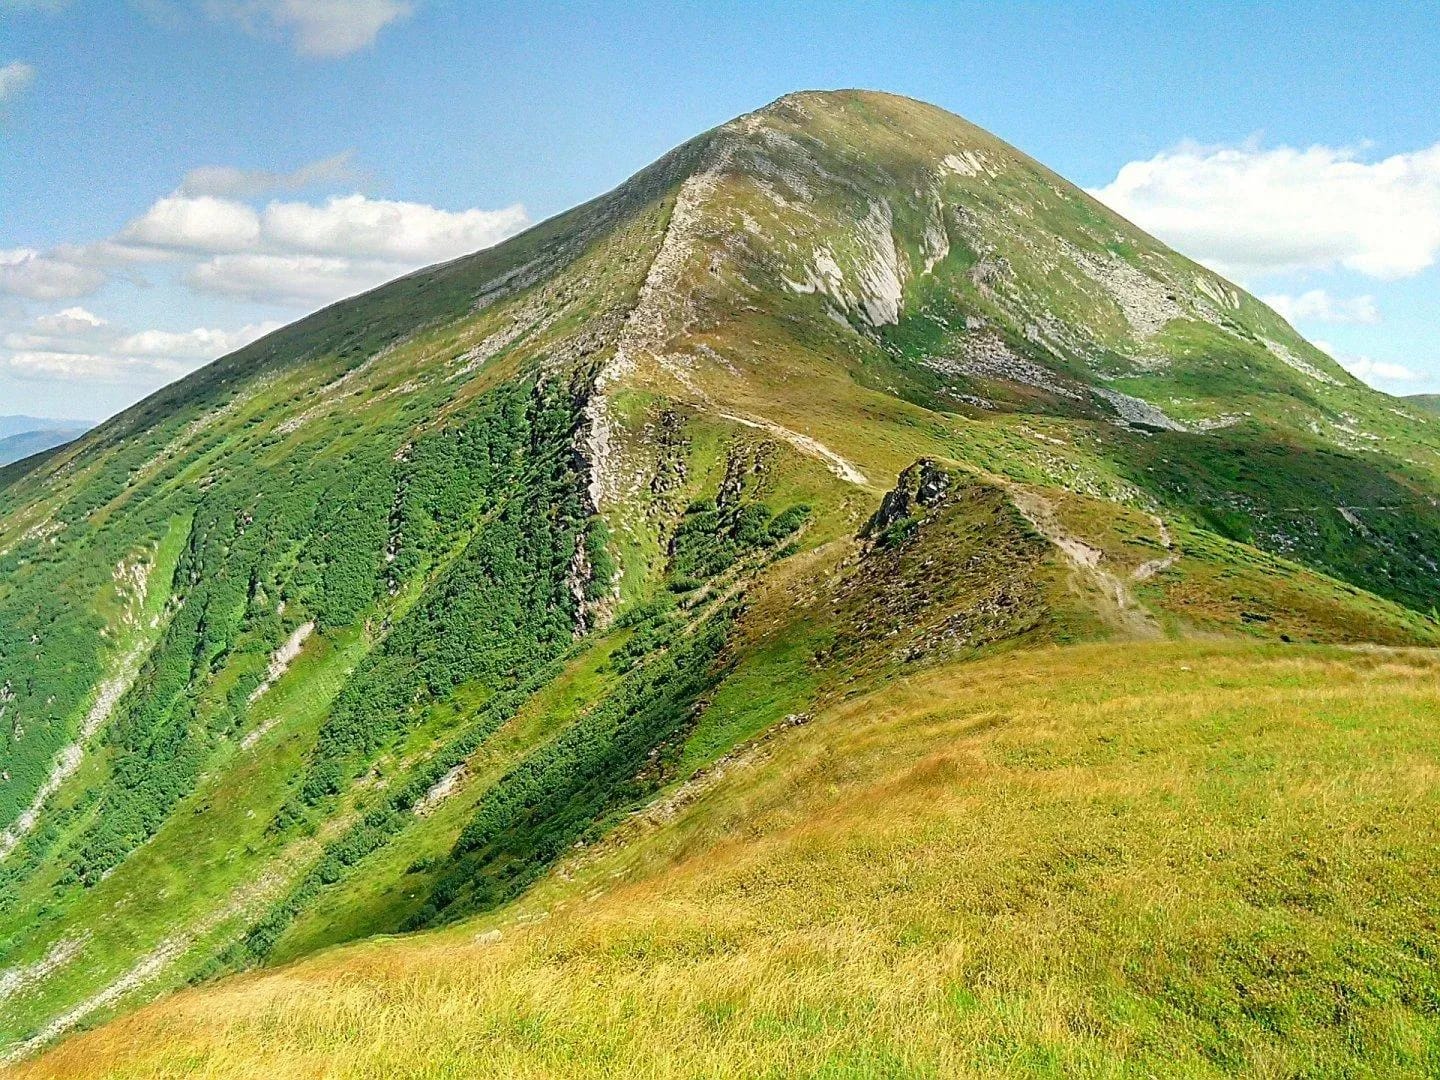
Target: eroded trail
x: 1146, y: 570
x: 1127, y: 613
x: 660, y: 320
x: 838, y: 465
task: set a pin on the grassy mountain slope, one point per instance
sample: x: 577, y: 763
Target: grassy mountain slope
x: 366, y: 627
x: 1166, y: 864
x: 1426, y: 402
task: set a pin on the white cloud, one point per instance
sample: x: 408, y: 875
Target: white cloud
x: 293, y: 280
x: 54, y: 275
x: 201, y: 223
x: 111, y: 253
x: 1362, y: 367
x: 1252, y: 211
x: 318, y: 28
x: 1371, y: 371
x: 228, y: 182
x: 198, y: 344
x: 15, y: 78
x: 72, y: 330
x: 398, y: 231
x: 350, y: 226
x: 306, y: 254
x: 76, y: 344
x: 295, y: 254
x: 92, y: 367
x: 71, y: 320
x: 1319, y: 306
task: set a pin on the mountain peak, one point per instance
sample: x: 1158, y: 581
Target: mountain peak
x: 370, y: 624
x: 839, y: 99
x: 930, y: 240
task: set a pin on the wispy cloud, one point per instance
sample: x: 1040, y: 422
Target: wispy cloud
x: 15, y: 79
x: 290, y: 280
x: 1317, y: 305
x: 54, y: 275
x: 1375, y: 372
x: 318, y: 28
x: 139, y: 374
x: 226, y: 181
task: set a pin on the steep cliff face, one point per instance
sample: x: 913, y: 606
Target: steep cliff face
x: 361, y: 628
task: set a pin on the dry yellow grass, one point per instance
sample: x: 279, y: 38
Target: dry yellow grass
x: 1171, y: 859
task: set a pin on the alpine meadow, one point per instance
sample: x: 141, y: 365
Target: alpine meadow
x: 843, y: 603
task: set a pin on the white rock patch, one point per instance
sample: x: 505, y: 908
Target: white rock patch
x: 936, y: 240
x: 16, y: 979
x: 1290, y: 360
x: 1146, y: 303
x: 878, y: 273
x: 282, y: 658
x: 881, y: 278
x: 1219, y: 292
x: 967, y: 163
x: 441, y: 790
x: 986, y: 356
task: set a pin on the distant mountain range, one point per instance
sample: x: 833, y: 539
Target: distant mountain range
x: 22, y: 436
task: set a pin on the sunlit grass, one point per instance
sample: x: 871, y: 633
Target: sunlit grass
x: 1099, y: 860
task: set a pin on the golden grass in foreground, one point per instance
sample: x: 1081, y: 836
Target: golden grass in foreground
x: 1103, y: 860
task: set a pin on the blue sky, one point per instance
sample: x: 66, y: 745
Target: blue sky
x: 177, y: 176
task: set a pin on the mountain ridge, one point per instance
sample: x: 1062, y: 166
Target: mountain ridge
x: 365, y: 627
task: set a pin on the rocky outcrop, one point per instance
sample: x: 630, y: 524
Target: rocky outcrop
x: 919, y: 487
